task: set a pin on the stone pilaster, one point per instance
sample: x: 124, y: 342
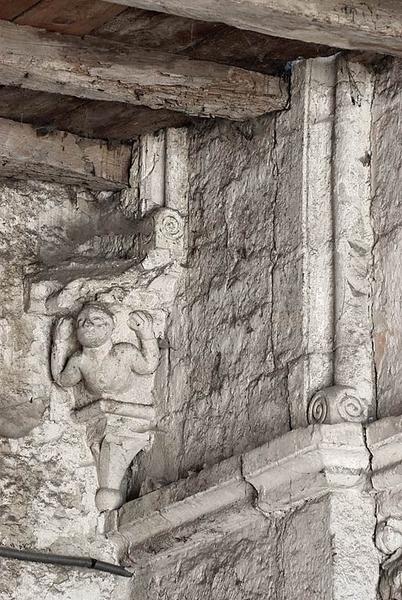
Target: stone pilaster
x: 334, y: 95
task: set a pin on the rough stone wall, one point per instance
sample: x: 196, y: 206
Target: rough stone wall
x: 227, y: 388
x: 266, y: 558
x: 237, y: 396
x: 244, y: 564
x: 387, y: 223
x: 47, y: 479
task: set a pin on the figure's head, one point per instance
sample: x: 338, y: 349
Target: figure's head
x: 95, y: 325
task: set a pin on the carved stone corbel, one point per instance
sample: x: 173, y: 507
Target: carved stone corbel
x: 116, y: 433
x: 111, y: 400
x: 109, y: 315
x: 389, y: 542
x: 337, y: 404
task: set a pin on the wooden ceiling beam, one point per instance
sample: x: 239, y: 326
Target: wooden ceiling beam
x: 78, y: 17
x: 103, y: 70
x: 62, y: 157
x: 372, y: 25
x: 87, y: 118
x: 9, y: 9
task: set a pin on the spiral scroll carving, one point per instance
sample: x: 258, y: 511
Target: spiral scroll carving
x: 171, y: 227
x: 337, y: 404
x: 317, y: 409
x: 351, y: 409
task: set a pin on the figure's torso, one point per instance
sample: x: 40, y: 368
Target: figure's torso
x: 111, y: 375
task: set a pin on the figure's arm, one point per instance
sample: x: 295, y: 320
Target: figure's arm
x: 145, y: 360
x: 65, y: 371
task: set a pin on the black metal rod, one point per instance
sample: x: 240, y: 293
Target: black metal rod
x: 83, y: 562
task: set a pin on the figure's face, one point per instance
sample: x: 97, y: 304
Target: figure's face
x: 94, y: 327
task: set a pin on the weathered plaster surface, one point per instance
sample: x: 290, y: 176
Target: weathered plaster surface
x: 47, y: 479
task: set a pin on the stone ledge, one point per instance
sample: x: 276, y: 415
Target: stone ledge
x: 210, y: 491
x: 301, y: 465
x: 307, y: 463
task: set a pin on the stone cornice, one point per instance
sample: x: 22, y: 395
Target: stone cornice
x: 301, y: 465
x: 211, y: 491
x: 307, y: 463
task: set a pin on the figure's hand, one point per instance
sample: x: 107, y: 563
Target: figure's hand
x: 141, y: 322
x: 64, y: 329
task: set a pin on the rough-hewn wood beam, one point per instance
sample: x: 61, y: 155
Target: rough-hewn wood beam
x: 374, y: 25
x: 103, y: 70
x: 62, y: 157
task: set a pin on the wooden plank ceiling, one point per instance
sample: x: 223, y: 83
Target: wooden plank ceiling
x: 116, y: 121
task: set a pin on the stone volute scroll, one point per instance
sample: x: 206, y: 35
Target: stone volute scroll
x: 337, y: 404
x: 111, y: 400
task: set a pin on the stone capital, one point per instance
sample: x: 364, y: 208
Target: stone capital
x: 337, y: 404
x: 307, y: 463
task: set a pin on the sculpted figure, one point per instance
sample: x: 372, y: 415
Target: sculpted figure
x: 118, y: 422
x: 107, y: 370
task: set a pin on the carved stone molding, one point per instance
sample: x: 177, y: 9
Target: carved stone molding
x: 337, y: 404
x: 335, y: 198
x: 302, y: 465
x: 384, y: 440
x: 218, y: 491
x: 307, y: 463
